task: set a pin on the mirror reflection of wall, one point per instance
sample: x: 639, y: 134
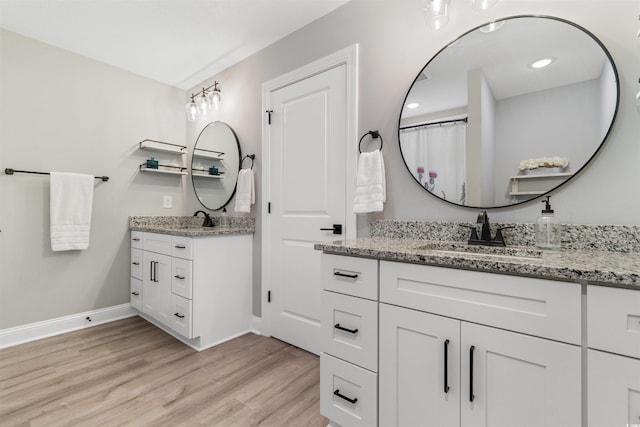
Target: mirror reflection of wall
x: 514, y: 111
x: 215, y: 164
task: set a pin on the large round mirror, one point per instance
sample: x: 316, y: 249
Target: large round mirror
x: 215, y: 164
x: 508, y: 112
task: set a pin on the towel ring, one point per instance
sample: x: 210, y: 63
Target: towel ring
x: 250, y: 156
x: 374, y: 134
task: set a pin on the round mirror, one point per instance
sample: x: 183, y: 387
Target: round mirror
x: 508, y: 112
x: 215, y: 164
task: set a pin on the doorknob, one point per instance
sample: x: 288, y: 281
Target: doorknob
x: 337, y: 229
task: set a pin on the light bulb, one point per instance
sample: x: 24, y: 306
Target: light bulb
x: 215, y: 96
x: 483, y: 4
x: 192, y: 110
x: 202, y: 104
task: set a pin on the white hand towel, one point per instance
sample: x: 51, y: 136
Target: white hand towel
x: 371, y: 190
x: 245, y: 191
x: 70, y: 210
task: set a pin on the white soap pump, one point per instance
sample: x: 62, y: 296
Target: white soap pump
x: 548, y: 229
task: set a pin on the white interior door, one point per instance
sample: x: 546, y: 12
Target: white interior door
x: 306, y: 192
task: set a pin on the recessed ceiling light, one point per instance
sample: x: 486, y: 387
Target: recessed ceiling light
x: 493, y: 26
x: 413, y: 105
x: 541, y: 63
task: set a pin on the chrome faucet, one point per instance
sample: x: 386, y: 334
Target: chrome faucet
x: 208, y: 222
x: 485, y: 232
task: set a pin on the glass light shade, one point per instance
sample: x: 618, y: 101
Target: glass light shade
x: 192, y: 110
x: 214, y: 97
x: 483, y: 4
x: 202, y: 104
x: 436, y: 13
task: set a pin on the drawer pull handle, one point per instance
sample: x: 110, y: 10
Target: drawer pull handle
x: 135, y: 263
x: 471, y: 395
x: 342, y: 396
x: 181, y: 316
x: 342, y: 328
x: 446, y: 366
x: 136, y: 239
x: 350, y: 276
x: 135, y: 293
x: 180, y: 246
x: 179, y: 277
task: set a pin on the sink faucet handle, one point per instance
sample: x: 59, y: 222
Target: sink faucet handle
x: 474, y: 231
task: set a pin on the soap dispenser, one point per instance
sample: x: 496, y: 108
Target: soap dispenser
x: 547, y: 229
x: 225, y: 221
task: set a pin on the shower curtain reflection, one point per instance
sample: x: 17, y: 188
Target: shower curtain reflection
x: 435, y: 155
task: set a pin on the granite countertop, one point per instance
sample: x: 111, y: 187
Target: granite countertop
x: 190, y: 226
x: 582, y: 266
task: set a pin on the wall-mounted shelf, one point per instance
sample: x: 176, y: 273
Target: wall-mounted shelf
x: 167, y: 147
x: 206, y: 175
x: 208, y: 154
x: 536, y: 184
x: 162, y: 169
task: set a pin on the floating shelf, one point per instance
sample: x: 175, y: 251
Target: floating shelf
x: 543, y: 175
x: 208, y: 154
x: 167, y: 147
x: 205, y: 175
x: 536, y: 184
x: 177, y: 170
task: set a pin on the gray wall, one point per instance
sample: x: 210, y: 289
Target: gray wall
x: 64, y: 112
x: 394, y: 46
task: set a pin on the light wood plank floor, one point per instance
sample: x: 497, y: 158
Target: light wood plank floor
x: 130, y: 373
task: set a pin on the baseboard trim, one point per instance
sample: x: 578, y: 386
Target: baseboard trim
x: 256, y: 325
x: 49, y: 328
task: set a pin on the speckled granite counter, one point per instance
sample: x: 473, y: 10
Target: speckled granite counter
x: 189, y: 225
x: 601, y: 267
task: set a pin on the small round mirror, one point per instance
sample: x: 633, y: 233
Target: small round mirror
x: 508, y: 112
x: 215, y: 164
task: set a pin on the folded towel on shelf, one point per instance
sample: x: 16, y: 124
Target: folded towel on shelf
x: 70, y: 210
x: 371, y: 191
x: 245, y: 191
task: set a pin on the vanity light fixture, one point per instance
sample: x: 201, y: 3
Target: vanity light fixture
x: 436, y: 13
x: 202, y: 101
x: 482, y: 4
x: 541, y: 63
x: 413, y: 105
x: 491, y: 27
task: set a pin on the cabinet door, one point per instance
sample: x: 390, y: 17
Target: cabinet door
x: 510, y: 379
x: 413, y: 368
x: 156, y: 286
x: 614, y: 390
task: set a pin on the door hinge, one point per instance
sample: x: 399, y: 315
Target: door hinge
x: 268, y: 207
x: 268, y: 296
x: 269, y: 112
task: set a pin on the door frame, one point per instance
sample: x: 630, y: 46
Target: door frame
x: 348, y: 57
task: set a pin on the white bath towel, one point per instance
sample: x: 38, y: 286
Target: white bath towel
x: 70, y: 210
x: 371, y: 190
x: 245, y: 191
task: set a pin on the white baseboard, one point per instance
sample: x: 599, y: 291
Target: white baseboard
x: 256, y: 325
x: 48, y: 328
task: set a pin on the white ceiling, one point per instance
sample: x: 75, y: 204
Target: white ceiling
x: 177, y: 42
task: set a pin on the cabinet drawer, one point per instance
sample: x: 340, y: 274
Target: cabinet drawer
x: 613, y: 320
x: 136, y: 239
x: 348, y: 393
x: 350, y: 275
x: 182, y: 247
x: 181, y: 283
x: 135, y: 297
x: 181, y: 315
x: 158, y: 243
x: 136, y: 263
x: 543, y: 308
x: 350, y: 329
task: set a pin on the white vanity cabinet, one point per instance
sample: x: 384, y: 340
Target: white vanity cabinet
x: 349, y: 358
x: 197, y: 288
x: 461, y: 348
x: 613, y: 325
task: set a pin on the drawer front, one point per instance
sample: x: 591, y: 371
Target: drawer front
x: 135, y: 290
x: 350, y: 329
x: 613, y: 320
x: 136, y: 239
x: 350, y: 275
x: 182, y: 247
x: 348, y: 393
x: 543, y: 308
x: 181, y: 283
x: 158, y: 243
x: 182, y: 315
x: 136, y: 263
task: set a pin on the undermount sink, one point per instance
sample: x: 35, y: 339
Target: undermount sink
x: 457, y: 248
